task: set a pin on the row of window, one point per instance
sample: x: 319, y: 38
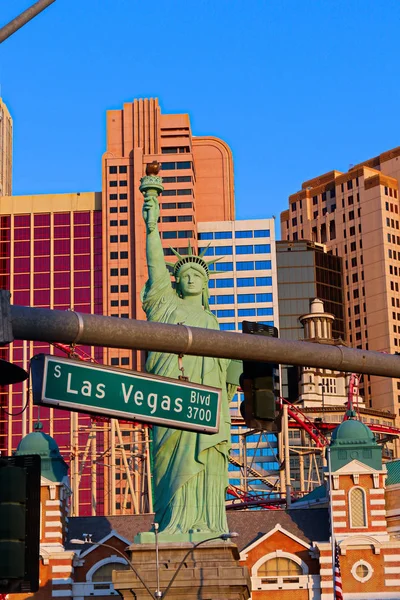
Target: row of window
x: 121, y: 183
x: 178, y: 179
x: 392, y: 223
x: 180, y: 219
x: 114, y: 238
x: 115, y: 361
x: 122, y: 209
x: 182, y: 192
x: 354, y: 277
x: 175, y: 150
x: 391, y: 207
x: 244, y: 312
x: 122, y: 169
x: 120, y: 316
x: 119, y: 303
x: 230, y: 326
x: 122, y: 288
x: 174, y: 205
x: 390, y: 192
x: 122, y: 222
x: 173, y: 235
x: 246, y: 265
x: 241, y: 298
x: 227, y: 235
x: 114, y: 255
x: 121, y: 196
x: 123, y: 272
x: 240, y: 282
x: 171, y: 166
x: 224, y: 250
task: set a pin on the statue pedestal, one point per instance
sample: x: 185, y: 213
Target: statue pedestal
x: 210, y: 572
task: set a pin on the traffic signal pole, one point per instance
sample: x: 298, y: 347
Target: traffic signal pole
x: 45, y: 325
x: 23, y: 19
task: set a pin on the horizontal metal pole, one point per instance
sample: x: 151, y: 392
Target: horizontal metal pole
x: 45, y: 325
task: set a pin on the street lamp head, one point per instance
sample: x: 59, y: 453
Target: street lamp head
x: 229, y: 535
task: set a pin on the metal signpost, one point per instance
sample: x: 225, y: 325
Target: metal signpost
x: 128, y: 395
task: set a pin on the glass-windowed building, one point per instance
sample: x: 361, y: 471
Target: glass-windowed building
x: 244, y: 288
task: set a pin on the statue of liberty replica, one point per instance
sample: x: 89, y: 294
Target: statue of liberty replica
x: 190, y: 469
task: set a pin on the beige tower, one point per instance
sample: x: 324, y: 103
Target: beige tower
x: 6, y: 126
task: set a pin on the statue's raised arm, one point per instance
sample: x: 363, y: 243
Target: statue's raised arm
x: 151, y: 186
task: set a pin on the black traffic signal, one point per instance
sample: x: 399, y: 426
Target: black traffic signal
x: 19, y: 523
x: 260, y: 384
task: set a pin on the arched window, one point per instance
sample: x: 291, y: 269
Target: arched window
x: 104, y: 573
x: 281, y: 567
x: 358, y: 513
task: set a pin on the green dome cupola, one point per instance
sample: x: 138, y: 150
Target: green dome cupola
x: 53, y: 466
x: 353, y: 440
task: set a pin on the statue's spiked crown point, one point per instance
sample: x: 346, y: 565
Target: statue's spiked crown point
x: 192, y: 258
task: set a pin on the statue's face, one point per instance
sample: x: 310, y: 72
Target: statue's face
x: 191, y: 281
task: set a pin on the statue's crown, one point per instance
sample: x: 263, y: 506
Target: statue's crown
x: 192, y: 258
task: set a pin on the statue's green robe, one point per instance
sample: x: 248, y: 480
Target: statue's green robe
x: 190, y: 471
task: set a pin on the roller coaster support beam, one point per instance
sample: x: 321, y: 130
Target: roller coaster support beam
x: 45, y: 325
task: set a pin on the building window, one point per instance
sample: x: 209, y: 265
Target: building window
x: 263, y: 265
x: 184, y: 165
x: 221, y: 250
x: 185, y: 219
x: 123, y: 222
x: 113, y: 209
x: 225, y: 299
x: 247, y: 312
x: 123, y: 238
x: 124, y: 302
x: 263, y: 281
x: 113, y: 183
x: 115, y: 361
x: 169, y: 235
x: 113, y: 223
x: 225, y: 283
x: 123, y: 254
x: 225, y: 313
x: 113, y: 239
x: 262, y: 312
x: 113, y: 255
x: 358, y: 513
x: 123, y: 196
x: 184, y: 192
x: 227, y: 326
x: 243, y: 234
x: 169, y: 150
x: 113, y: 170
x: 124, y: 288
x: 262, y: 249
x: 277, y: 567
x: 124, y: 271
x: 362, y: 571
x: 125, y: 360
x: 185, y: 205
x: 246, y: 298
x: 223, y: 235
x: 244, y: 249
x: 245, y: 281
x: 114, y: 289
x: 123, y: 169
x: 113, y: 272
x: 245, y: 265
x: 262, y: 233
x: 168, y: 193
x: 168, y: 166
x: 104, y: 573
x: 113, y: 196
x: 264, y: 297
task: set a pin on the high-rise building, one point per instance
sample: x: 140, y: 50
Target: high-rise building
x: 86, y: 252
x: 198, y: 186
x: 6, y: 129
x: 356, y: 215
x: 244, y: 289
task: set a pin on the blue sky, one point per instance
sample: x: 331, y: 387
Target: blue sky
x: 296, y: 87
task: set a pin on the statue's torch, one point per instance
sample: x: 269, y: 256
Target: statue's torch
x: 151, y: 186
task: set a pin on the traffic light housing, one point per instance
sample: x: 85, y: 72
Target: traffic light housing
x: 260, y: 385
x: 19, y: 523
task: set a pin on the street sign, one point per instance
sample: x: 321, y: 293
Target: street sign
x: 128, y: 395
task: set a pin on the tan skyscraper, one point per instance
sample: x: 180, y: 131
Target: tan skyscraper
x: 6, y: 126
x: 357, y: 215
x: 198, y: 186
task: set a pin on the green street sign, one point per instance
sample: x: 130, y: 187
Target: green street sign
x: 128, y: 395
